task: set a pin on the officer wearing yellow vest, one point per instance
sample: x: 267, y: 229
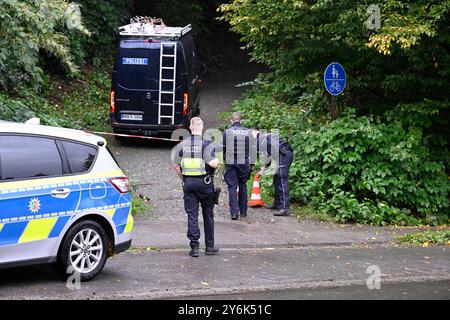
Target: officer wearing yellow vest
x: 195, y: 164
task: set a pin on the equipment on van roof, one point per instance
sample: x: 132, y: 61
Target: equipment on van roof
x: 152, y: 27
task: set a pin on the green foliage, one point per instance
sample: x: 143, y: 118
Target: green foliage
x: 425, y: 238
x: 138, y: 206
x: 383, y: 170
x: 364, y: 170
x: 385, y: 161
x: 175, y: 12
x: 32, y: 29
x: 102, y: 18
x: 79, y: 104
x: 406, y: 61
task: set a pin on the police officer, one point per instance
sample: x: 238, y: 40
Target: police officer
x: 195, y: 164
x: 236, y: 140
x: 275, y: 148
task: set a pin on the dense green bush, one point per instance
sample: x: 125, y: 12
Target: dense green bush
x: 361, y: 169
x: 383, y: 170
x: 30, y: 31
x: 79, y: 104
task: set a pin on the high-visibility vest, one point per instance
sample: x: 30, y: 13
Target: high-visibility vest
x: 193, y: 167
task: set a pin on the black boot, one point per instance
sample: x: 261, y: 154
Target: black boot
x: 195, y: 251
x: 244, y: 215
x: 212, y: 251
x: 282, y: 213
x: 272, y: 207
x: 234, y: 217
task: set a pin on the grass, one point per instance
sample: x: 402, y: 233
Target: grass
x: 138, y: 206
x: 440, y: 237
x: 306, y: 213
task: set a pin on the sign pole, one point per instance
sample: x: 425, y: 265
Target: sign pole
x: 333, y: 107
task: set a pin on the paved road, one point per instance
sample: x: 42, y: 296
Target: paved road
x: 172, y: 273
x: 433, y: 290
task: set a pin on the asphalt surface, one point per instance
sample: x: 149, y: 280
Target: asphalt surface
x: 174, y: 274
x: 433, y: 290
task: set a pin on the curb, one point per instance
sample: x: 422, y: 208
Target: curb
x: 318, y: 284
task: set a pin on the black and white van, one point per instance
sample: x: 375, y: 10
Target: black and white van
x: 156, y: 79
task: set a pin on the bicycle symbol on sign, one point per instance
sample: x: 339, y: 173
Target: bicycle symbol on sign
x: 335, y: 87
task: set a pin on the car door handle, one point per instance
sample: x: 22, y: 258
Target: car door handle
x: 60, y: 193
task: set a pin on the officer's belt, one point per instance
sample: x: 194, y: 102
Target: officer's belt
x: 207, y: 178
x: 200, y: 176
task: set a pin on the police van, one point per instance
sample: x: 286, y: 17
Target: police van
x: 63, y: 200
x: 156, y: 78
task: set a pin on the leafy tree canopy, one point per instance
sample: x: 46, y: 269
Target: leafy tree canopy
x: 32, y: 27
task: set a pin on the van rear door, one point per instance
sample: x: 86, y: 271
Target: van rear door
x: 135, y: 82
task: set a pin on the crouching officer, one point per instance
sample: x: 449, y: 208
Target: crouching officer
x: 195, y: 162
x: 275, y: 148
x: 236, y: 149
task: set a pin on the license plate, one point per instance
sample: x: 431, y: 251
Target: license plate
x: 134, y: 117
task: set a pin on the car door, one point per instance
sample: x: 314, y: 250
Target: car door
x: 36, y: 200
x: 136, y: 82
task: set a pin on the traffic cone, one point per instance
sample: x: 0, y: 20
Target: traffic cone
x: 255, y: 199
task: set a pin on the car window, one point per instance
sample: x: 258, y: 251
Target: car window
x: 28, y: 157
x: 80, y: 156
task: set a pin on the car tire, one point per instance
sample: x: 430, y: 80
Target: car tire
x: 95, y: 254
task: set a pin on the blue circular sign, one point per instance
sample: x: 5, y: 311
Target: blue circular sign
x: 334, y: 79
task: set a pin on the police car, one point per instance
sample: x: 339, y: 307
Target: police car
x: 63, y: 200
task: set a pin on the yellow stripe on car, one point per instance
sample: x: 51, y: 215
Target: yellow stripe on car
x: 38, y: 229
x: 130, y: 223
x: 110, y: 212
x: 1, y: 226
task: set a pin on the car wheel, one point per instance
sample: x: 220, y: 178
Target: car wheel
x: 83, y: 251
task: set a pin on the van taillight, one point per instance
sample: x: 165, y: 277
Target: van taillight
x: 112, y: 103
x: 185, y: 104
x: 121, y: 184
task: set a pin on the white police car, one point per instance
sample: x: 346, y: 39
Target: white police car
x: 63, y: 200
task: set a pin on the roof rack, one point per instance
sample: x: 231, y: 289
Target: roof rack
x: 152, y: 27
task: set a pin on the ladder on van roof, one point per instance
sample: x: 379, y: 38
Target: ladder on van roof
x: 167, y: 81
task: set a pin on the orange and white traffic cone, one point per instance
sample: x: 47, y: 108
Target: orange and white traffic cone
x: 255, y: 199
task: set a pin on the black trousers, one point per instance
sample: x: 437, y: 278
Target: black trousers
x: 281, y: 181
x: 236, y: 176
x: 196, y: 193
